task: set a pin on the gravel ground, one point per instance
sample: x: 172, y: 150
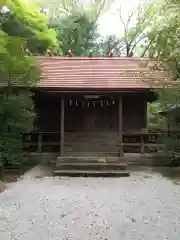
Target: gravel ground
x: 144, y: 206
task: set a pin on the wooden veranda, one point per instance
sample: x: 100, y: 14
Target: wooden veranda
x: 50, y: 142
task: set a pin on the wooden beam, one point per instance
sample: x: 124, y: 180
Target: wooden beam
x: 62, y: 129
x: 121, y: 152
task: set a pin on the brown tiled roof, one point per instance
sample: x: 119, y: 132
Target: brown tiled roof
x: 97, y: 73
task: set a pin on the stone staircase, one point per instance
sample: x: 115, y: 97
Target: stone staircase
x: 90, y: 167
x: 85, y: 144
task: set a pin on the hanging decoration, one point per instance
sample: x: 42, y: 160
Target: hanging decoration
x: 70, y: 102
x: 91, y: 104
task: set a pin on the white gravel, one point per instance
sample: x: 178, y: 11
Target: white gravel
x: 137, y: 207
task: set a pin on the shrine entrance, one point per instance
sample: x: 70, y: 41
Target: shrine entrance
x: 91, y: 115
x: 91, y: 126
x: 82, y: 125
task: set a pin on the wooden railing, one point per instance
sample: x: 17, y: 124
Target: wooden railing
x: 143, y: 141
x: 38, y: 141
x: 50, y: 141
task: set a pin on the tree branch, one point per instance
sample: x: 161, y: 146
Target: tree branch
x: 147, y: 47
x: 125, y: 32
x: 135, y: 44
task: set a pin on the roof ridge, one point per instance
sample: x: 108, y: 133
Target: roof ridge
x: 92, y: 58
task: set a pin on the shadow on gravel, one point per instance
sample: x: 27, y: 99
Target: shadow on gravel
x: 170, y: 173
x: 38, y: 172
x: 11, y: 176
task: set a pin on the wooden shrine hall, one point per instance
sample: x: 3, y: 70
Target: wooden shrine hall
x: 92, y: 106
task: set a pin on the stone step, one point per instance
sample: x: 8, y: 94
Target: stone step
x: 111, y: 162
x: 91, y: 173
x: 94, y: 159
x: 91, y: 166
x: 90, y: 147
x: 105, y: 164
x: 90, y: 159
x: 91, y: 153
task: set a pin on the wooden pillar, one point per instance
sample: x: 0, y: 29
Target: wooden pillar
x: 39, y: 143
x: 144, y: 129
x: 121, y: 152
x: 62, y: 129
x: 142, y: 144
x: 168, y: 123
x: 145, y: 115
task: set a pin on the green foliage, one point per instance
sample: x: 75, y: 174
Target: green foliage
x: 75, y: 23
x: 105, y: 44
x: 22, y: 20
x: 16, y: 121
x: 76, y: 32
x: 57, y: 8
x: 163, y: 31
x: 134, y: 39
x: 156, y: 120
x: 165, y: 47
x: 18, y: 113
x: 18, y: 73
x: 33, y: 21
x: 164, y: 38
x: 16, y: 107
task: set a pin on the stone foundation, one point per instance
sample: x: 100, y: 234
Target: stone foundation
x: 43, y: 158
x: 154, y: 159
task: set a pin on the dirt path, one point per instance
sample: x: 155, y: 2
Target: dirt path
x: 144, y: 206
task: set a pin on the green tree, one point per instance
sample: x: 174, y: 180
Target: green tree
x: 134, y: 39
x: 75, y: 23
x: 165, y: 47
x: 22, y: 20
x: 164, y: 36
x: 76, y: 32
x: 57, y: 8
x: 18, y: 73
x: 104, y: 45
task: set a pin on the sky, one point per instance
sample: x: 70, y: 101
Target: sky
x: 109, y: 22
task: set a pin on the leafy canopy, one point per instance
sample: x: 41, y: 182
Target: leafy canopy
x: 19, y: 22
x: 21, y: 19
